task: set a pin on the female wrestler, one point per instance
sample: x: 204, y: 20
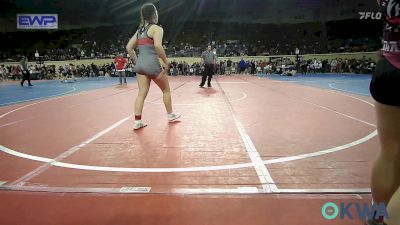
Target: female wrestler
x: 149, y: 41
x: 385, y: 90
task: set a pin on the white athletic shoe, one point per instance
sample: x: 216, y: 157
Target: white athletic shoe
x: 173, y: 116
x: 139, y: 124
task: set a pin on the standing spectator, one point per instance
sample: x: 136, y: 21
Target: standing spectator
x: 229, y: 67
x: 37, y: 55
x: 334, y: 63
x: 16, y: 72
x: 66, y: 72
x: 95, y: 69
x: 242, y: 66
x: 253, y: 67
x: 222, y: 66
x: 3, y: 73
x: 120, y: 65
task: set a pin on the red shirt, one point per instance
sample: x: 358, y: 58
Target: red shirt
x: 120, y: 63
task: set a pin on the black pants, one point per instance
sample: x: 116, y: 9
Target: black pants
x: 208, y: 72
x: 385, y: 82
x: 26, y: 76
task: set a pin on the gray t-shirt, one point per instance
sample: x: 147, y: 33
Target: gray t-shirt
x: 208, y: 57
x: 24, y: 64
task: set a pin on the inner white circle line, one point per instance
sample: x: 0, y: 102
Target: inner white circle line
x: 332, y: 85
x: 188, y: 169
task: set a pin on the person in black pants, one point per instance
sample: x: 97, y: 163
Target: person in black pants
x: 25, y: 72
x: 208, y: 59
